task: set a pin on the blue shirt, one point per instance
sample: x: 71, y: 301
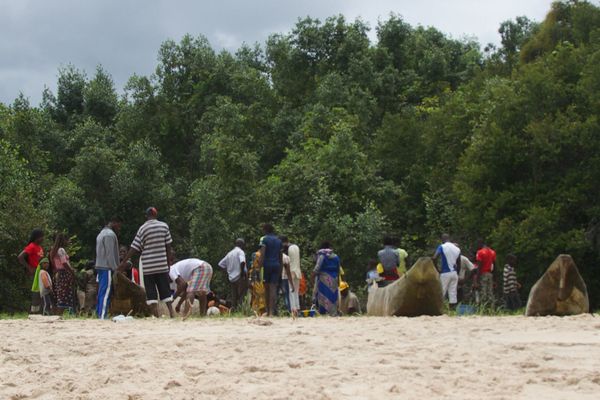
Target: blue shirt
x: 272, y: 246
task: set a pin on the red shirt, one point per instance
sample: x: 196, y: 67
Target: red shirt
x: 35, y: 253
x: 486, y: 258
x: 135, y: 275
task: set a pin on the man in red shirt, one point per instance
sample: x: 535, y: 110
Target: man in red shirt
x: 484, y: 278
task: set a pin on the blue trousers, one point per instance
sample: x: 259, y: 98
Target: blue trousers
x: 104, y: 292
x: 286, y: 293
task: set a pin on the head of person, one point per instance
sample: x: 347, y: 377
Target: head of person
x: 481, y: 244
x: 445, y: 238
x: 511, y: 260
x: 115, y: 223
x: 61, y: 240
x: 388, y: 241
x: 239, y: 242
x: 325, y: 244
x: 123, y: 251
x: 344, y: 289
x: 211, y: 296
x: 44, y: 263
x: 151, y: 213
x: 285, y: 242
x: 36, y: 236
x: 268, y: 229
x: 372, y: 265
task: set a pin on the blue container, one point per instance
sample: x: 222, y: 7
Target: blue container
x: 465, y: 309
x: 307, y: 313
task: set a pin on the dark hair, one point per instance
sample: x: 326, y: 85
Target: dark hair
x: 511, y: 258
x: 36, y: 234
x: 268, y: 228
x: 116, y: 219
x: 372, y: 264
x: 388, y: 241
x: 284, y: 238
x: 60, y: 240
x: 325, y: 244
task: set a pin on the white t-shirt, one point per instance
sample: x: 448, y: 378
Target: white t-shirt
x: 294, y: 254
x: 465, y: 265
x: 184, y: 268
x: 449, y: 252
x: 232, y: 263
x: 285, y: 261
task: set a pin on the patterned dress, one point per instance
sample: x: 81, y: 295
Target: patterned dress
x: 64, y: 281
x: 327, y: 272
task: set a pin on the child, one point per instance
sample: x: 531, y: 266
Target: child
x: 90, y: 287
x: 511, y: 286
x: 372, y: 274
x: 45, y: 287
x: 130, y: 272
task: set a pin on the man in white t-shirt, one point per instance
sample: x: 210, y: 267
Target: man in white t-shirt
x: 450, y: 254
x: 192, y: 277
x: 235, y: 265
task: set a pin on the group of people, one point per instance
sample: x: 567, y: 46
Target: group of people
x: 475, y: 279
x: 461, y: 279
x: 46, y: 289
x: 275, y: 271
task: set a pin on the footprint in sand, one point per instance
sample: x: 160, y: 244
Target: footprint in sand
x: 528, y: 365
x: 171, y: 385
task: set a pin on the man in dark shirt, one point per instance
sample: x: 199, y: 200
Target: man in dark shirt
x: 389, y: 259
x: 271, y: 261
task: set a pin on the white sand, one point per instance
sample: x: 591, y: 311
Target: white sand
x: 319, y: 358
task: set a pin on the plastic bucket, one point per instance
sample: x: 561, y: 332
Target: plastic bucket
x: 465, y: 309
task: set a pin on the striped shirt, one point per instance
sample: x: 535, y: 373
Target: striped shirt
x: 510, y: 279
x: 151, y: 240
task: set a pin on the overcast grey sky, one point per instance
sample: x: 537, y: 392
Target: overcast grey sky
x: 37, y: 37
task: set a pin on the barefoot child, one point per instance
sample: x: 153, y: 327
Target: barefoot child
x: 45, y: 287
x: 198, y: 273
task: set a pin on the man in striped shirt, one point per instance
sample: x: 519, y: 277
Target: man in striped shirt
x: 511, y: 286
x: 153, y: 241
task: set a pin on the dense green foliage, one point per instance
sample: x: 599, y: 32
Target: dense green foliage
x: 329, y: 136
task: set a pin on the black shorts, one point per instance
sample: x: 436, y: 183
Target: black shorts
x: 158, y: 287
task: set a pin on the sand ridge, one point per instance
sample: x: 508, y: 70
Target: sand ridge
x: 319, y: 358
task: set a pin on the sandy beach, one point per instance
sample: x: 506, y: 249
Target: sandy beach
x: 320, y: 358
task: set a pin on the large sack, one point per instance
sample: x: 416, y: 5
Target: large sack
x: 128, y: 297
x: 560, y: 291
x: 163, y: 311
x: 418, y: 292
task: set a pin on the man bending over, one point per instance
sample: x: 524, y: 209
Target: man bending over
x: 198, y: 273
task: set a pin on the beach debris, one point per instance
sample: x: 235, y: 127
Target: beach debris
x: 122, y: 318
x: 44, y: 318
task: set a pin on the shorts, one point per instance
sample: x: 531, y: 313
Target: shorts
x: 158, y: 286
x: 200, y: 281
x: 272, y: 274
